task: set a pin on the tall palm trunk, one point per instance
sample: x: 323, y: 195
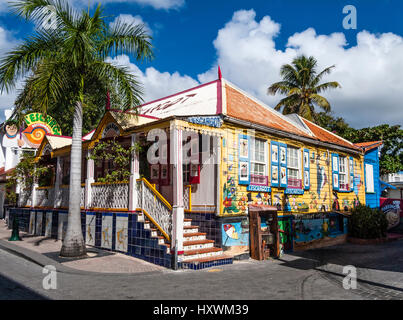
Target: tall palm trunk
x: 73, y: 243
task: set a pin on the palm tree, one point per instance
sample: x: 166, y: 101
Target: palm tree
x: 61, y: 59
x: 301, y: 85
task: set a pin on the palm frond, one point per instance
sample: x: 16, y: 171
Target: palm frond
x: 282, y: 87
x: 127, y: 86
x: 22, y: 60
x: 327, y: 85
x: 126, y: 38
x: 321, y: 102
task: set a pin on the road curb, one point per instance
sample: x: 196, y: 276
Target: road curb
x: 42, y: 260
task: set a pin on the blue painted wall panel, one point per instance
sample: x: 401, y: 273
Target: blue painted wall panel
x: 372, y: 199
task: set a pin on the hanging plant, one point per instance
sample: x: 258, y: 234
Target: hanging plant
x: 119, y: 158
x: 26, y: 173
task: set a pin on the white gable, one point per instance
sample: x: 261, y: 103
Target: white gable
x: 201, y: 100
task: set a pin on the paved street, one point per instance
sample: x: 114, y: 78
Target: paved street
x: 315, y: 274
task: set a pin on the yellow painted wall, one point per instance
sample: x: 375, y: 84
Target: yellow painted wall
x: 234, y: 196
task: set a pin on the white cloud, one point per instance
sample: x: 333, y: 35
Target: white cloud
x: 156, y: 84
x: 369, y: 72
x: 7, y: 42
x: 129, y: 19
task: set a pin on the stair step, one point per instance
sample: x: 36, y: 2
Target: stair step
x: 199, y: 251
x: 201, y: 256
x: 194, y: 236
x: 198, y: 244
x: 190, y: 229
x: 189, y: 243
x: 221, y: 257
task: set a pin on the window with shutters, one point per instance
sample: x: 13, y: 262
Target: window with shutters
x: 343, y: 181
x: 258, y: 161
x: 294, y: 167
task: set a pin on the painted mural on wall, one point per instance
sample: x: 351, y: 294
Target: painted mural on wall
x: 309, y: 228
x: 316, y: 193
x: 235, y: 234
x: 393, y: 208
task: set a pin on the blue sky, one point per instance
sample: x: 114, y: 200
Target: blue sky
x: 251, y: 39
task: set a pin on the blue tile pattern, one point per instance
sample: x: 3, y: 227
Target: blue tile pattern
x: 140, y: 243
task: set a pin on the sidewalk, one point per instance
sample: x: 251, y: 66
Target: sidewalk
x: 44, y: 251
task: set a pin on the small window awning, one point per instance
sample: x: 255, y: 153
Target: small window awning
x: 385, y: 185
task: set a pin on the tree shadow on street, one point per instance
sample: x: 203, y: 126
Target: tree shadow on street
x: 12, y: 290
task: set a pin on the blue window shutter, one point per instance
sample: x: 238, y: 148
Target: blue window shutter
x: 307, y: 167
x: 244, y: 160
x: 351, y: 169
x: 274, y: 169
x: 283, y: 166
x: 335, y: 171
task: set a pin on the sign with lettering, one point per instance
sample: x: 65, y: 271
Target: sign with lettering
x: 201, y: 100
x: 257, y: 188
x: 215, y: 122
x: 110, y: 130
x: 37, y: 127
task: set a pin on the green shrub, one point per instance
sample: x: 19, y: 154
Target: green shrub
x: 367, y: 223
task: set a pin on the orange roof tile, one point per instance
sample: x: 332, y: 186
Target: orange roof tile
x: 242, y: 107
x: 327, y: 136
x: 369, y: 145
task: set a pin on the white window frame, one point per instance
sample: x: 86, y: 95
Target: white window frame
x: 369, y: 178
x: 253, y: 161
x: 343, y: 163
x: 186, y: 173
x: 298, y: 168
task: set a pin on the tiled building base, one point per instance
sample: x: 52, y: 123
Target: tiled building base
x: 206, y: 264
x: 99, y: 230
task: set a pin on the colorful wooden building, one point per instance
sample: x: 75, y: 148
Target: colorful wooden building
x: 372, y: 180
x: 209, y: 152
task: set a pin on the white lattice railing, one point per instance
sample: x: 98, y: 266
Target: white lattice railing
x: 110, y: 195
x: 155, y: 207
x: 45, y: 197
x: 187, y: 197
x: 25, y: 198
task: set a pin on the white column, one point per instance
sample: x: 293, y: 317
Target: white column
x: 33, y: 194
x: 177, y: 178
x: 89, y: 179
x: 134, y: 175
x: 217, y: 163
x: 56, y: 202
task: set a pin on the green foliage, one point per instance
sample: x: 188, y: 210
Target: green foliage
x: 27, y: 172
x: 119, y: 158
x: 62, y: 109
x: 367, y: 223
x: 301, y: 84
x: 67, y: 62
x: 336, y: 125
x: 391, y: 157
